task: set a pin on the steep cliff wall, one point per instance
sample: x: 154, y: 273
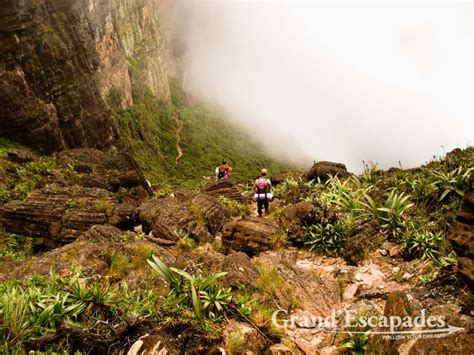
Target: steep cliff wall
x: 65, y: 63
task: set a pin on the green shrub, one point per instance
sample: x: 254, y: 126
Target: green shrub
x: 235, y: 208
x: 104, y: 206
x: 202, y: 294
x: 451, y: 182
x: 326, y: 238
x: 422, y: 243
x: 390, y: 215
x: 357, y: 343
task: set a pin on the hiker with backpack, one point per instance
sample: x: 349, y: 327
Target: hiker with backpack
x: 223, y: 170
x: 262, y: 193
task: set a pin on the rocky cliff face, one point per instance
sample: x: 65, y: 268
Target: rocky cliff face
x: 65, y: 63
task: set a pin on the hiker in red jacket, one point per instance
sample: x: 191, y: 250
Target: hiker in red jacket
x: 223, y: 170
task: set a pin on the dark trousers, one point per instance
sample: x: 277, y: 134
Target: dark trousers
x: 261, y: 204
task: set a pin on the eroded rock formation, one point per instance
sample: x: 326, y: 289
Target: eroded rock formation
x: 64, y: 63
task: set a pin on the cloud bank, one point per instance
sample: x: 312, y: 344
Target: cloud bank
x: 340, y: 82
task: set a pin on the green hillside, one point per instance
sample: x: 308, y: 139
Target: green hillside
x: 207, y: 138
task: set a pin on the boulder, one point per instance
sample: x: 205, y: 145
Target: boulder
x: 313, y: 292
x: 323, y: 170
x: 458, y: 341
x: 200, y: 216
x: 246, y: 338
x: 124, y: 216
x: 294, y: 218
x: 58, y: 214
x: 97, y: 169
x: 280, y: 177
x: 362, y: 240
x: 240, y: 270
x: 20, y: 155
x: 225, y: 188
x: 250, y: 235
x: 462, y: 235
x: 92, y: 254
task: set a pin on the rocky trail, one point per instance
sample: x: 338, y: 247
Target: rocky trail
x: 179, y: 127
x: 87, y: 223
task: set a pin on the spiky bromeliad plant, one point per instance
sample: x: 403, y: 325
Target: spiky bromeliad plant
x: 390, y: 214
x: 326, y: 238
x: 202, y: 293
x: 451, y: 182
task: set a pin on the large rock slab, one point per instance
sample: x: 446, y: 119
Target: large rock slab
x: 200, y: 216
x: 58, y: 214
x: 225, y: 188
x: 322, y: 170
x: 95, y: 168
x: 250, y: 235
x: 293, y: 219
x: 64, y: 64
x: 401, y: 304
x: 462, y: 236
x: 240, y: 269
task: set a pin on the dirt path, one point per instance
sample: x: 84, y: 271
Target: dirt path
x: 180, y: 125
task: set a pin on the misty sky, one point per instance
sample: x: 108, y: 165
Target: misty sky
x: 340, y: 82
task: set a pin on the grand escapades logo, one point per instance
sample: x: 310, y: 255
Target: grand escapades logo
x: 379, y: 324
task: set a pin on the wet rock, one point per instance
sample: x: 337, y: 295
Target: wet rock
x: 58, y: 214
x: 323, y: 170
x: 250, y: 235
x: 200, y: 216
x: 362, y: 241
x: 61, y: 74
x: 20, y: 155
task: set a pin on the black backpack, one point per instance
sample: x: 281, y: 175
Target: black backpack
x: 221, y: 173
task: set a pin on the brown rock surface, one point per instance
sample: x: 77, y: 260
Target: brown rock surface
x: 324, y: 169
x: 64, y: 62
x: 462, y: 235
x: 250, y: 235
x: 199, y: 216
x: 58, y: 214
x: 225, y: 188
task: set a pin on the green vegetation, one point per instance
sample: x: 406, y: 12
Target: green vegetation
x: 235, y: 208
x: 207, y: 138
x: 412, y: 208
x: 17, y: 247
x: 6, y: 144
x: 201, y: 293
x: 328, y: 238
x: 18, y: 180
x: 38, y: 306
x: 357, y: 343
